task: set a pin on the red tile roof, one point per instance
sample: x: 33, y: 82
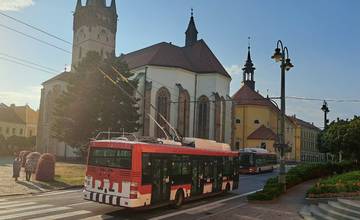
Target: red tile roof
x: 303, y: 123
x: 247, y: 96
x: 7, y: 114
x: 262, y: 133
x: 196, y: 58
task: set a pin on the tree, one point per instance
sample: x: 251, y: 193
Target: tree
x: 352, y: 138
x: 92, y: 103
x: 342, y: 137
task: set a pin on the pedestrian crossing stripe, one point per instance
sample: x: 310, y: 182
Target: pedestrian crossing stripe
x: 7, y: 203
x: 23, y: 208
x: 16, y: 205
x: 64, y: 215
x: 37, y: 212
x: 33, y: 210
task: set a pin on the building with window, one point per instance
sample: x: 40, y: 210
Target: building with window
x: 256, y: 119
x: 18, y: 121
x: 307, y: 141
x: 187, y: 84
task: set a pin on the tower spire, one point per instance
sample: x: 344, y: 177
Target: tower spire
x: 248, y: 70
x: 191, y: 32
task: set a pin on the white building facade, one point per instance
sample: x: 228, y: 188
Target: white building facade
x: 187, y: 85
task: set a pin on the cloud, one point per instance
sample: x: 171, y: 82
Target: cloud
x: 234, y: 70
x: 29, y: 95
x: 15, y: 5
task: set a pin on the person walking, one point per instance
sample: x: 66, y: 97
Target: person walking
x: 16, y: 167
x: 28, y: 169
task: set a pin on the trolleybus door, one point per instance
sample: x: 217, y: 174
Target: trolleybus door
x: 161, y: 180
x: 197, y: 178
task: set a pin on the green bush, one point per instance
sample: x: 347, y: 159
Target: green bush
x: 347, y: 182
x: 302, y: 173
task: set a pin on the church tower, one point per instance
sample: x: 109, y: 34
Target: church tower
x: 94, y: 27
x: 191, y: 32
x: 248, y: 72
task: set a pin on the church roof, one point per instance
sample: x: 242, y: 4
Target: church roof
x: 262, y: 133
x: 303, y: 123
x: 196, y: 58
x: 247, y: 96
x: 62, y: 77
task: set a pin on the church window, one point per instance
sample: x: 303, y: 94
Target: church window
x: 223, y: 119
x: 163, y: 107
x: 238, y: 121
x: 184, y: 113
x: 217, y: 121
x: 203, y: 118
x: 21, y: 131
x: 257, y: 122
x: 13, y: 130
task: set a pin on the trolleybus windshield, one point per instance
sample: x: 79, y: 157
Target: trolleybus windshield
x: 108, y: 157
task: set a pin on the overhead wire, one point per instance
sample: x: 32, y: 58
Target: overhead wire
x: 35, y: 28
x: 34, y: 38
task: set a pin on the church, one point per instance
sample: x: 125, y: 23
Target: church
x: 186, y: 83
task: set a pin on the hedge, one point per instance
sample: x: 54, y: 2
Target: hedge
x: 299, y: 174
x: 343, y: 183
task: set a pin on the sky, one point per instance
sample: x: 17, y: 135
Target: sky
x: 323, y: 38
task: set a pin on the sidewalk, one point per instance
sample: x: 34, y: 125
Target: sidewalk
x: 284, y: 208
x: 8, y: 186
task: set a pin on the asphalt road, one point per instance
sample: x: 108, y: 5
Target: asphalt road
x: 68, y: 204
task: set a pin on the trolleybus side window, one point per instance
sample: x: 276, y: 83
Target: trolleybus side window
x: 146, y: 169
x: 107, y: 157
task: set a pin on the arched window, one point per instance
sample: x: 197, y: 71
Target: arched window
x: 163, y: 107
x: 223, y: 123
x: 184, y: 113
x: 218, y: 118
x: 203, y: 114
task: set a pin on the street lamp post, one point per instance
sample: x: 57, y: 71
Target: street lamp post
x: 282, y: 55
x: 326, y: 110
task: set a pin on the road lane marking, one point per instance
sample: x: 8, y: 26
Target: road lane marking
x: 62, y: 216
x: 202, y: 206
x: 222, y: 211
x: 16, y: 205
x: 24, y: 209
x: 37, y: 212
x: 81, y: 203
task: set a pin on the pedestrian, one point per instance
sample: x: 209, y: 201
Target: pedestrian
x: 28, y: 169
x: 16, y: 167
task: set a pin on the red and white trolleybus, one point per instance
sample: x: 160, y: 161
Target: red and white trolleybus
x: 137, y: 174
